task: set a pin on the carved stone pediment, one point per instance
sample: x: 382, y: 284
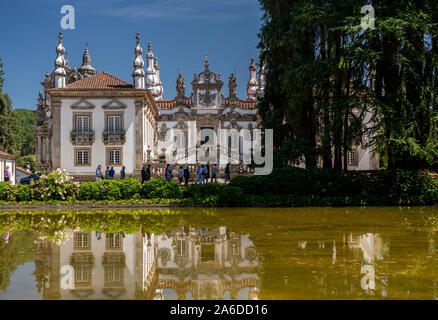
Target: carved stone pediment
x: 114, y: 104
x: 82, y: 105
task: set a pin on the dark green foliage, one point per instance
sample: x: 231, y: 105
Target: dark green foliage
x: 291, y: 186
x: 109, y: 190
x: 23, y: 193
x: 324, y: 74
x: 88, y: 191
x: 25, y: 134
x: 230, y: 196
x: 129, y: 188
x: 158, y: 188
x: 21, y: 162
x: 200, y: 191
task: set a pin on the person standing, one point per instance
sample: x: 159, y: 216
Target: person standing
x: 186, y: 175
x: 180, y: 175
x: 7, y: 174
x: 122, y: 174
x: 207, y: 171
x: 227, y: 173
x: 165, y: 171
x: 169, y: 173
x: 214, y: 172
x: 143, y: 174
x: 111, y: 173
x: 99, y: 173
x: 106, y: 173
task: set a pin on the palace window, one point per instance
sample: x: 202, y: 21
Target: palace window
x: 114, y: 123
x: 181, y: 248
x: 114, y: 156
x: 82, y: 123
x: 114, y: 241
x: 83, y: 265
x: 181, y: 140
x: 114, y: 265
x: 82, y: 157
x: 351, y: 158
x: 82, y: 240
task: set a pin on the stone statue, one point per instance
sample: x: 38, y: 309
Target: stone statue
x: 41, y: 112
x: 232, y: 86
x: 180, y: 87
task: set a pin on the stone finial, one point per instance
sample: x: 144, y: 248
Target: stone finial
x: 180, y: 87
x: 232, y: 86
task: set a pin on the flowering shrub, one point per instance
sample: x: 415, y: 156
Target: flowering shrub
x: 8, y: 192
x: 57, y: 185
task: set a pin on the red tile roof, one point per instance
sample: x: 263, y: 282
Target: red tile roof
x: 169, y: 104
x: 7, y: 155
x: 23, y: 170
x: 103, y: 81
x: 99, y: 81
x: 241, y: 104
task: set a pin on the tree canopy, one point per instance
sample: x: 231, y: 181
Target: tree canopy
x: 330, y: 84
x: 17, y: 135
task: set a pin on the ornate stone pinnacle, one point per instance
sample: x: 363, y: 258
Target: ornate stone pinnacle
x: 60, y: 37
x: 206, y: 61
x: 137, y: 37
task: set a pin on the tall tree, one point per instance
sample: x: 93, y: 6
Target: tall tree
x: 8, y: 143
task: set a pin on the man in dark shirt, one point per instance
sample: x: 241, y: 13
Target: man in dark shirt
x: 186, y: 176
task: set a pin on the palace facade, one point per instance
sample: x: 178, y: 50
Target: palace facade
x: 87, y: 118
x: 187, y: 264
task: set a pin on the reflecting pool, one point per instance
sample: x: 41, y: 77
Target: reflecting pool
x: 232, y: 253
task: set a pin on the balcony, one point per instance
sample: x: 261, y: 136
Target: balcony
x: 82, y: 138
x: 114, y: 137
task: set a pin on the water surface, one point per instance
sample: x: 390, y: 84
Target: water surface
x: 297, y: 253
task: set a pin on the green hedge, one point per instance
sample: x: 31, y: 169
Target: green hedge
x: 285, y: 187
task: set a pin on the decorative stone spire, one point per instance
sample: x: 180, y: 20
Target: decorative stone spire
x: 151, y: 74
x: 86, y: 69
x: 251, y: 88
x: 60, y: 64
x: 138, y: 73
x: 159, y: 84
x: 261, y: 82
x: 206, y: 62
x: 232, y: 86
x: 180, y: 87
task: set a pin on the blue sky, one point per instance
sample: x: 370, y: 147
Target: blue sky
x: 181, y: 32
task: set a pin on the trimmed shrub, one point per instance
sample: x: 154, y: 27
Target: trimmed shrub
x: 158, y: 188
x: 23, y: 193
x: 129, y: 187
x: 89, y: 191
x: 201, y: 191
x: 109, y: 190
x: 231, y: 196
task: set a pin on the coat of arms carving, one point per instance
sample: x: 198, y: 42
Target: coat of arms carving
x: 207, y: 99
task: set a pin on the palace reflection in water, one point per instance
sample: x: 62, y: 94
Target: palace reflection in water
x: 187, y: 263
x: 311, y: 253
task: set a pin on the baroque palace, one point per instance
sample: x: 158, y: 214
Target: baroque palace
x: 87, y: 118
